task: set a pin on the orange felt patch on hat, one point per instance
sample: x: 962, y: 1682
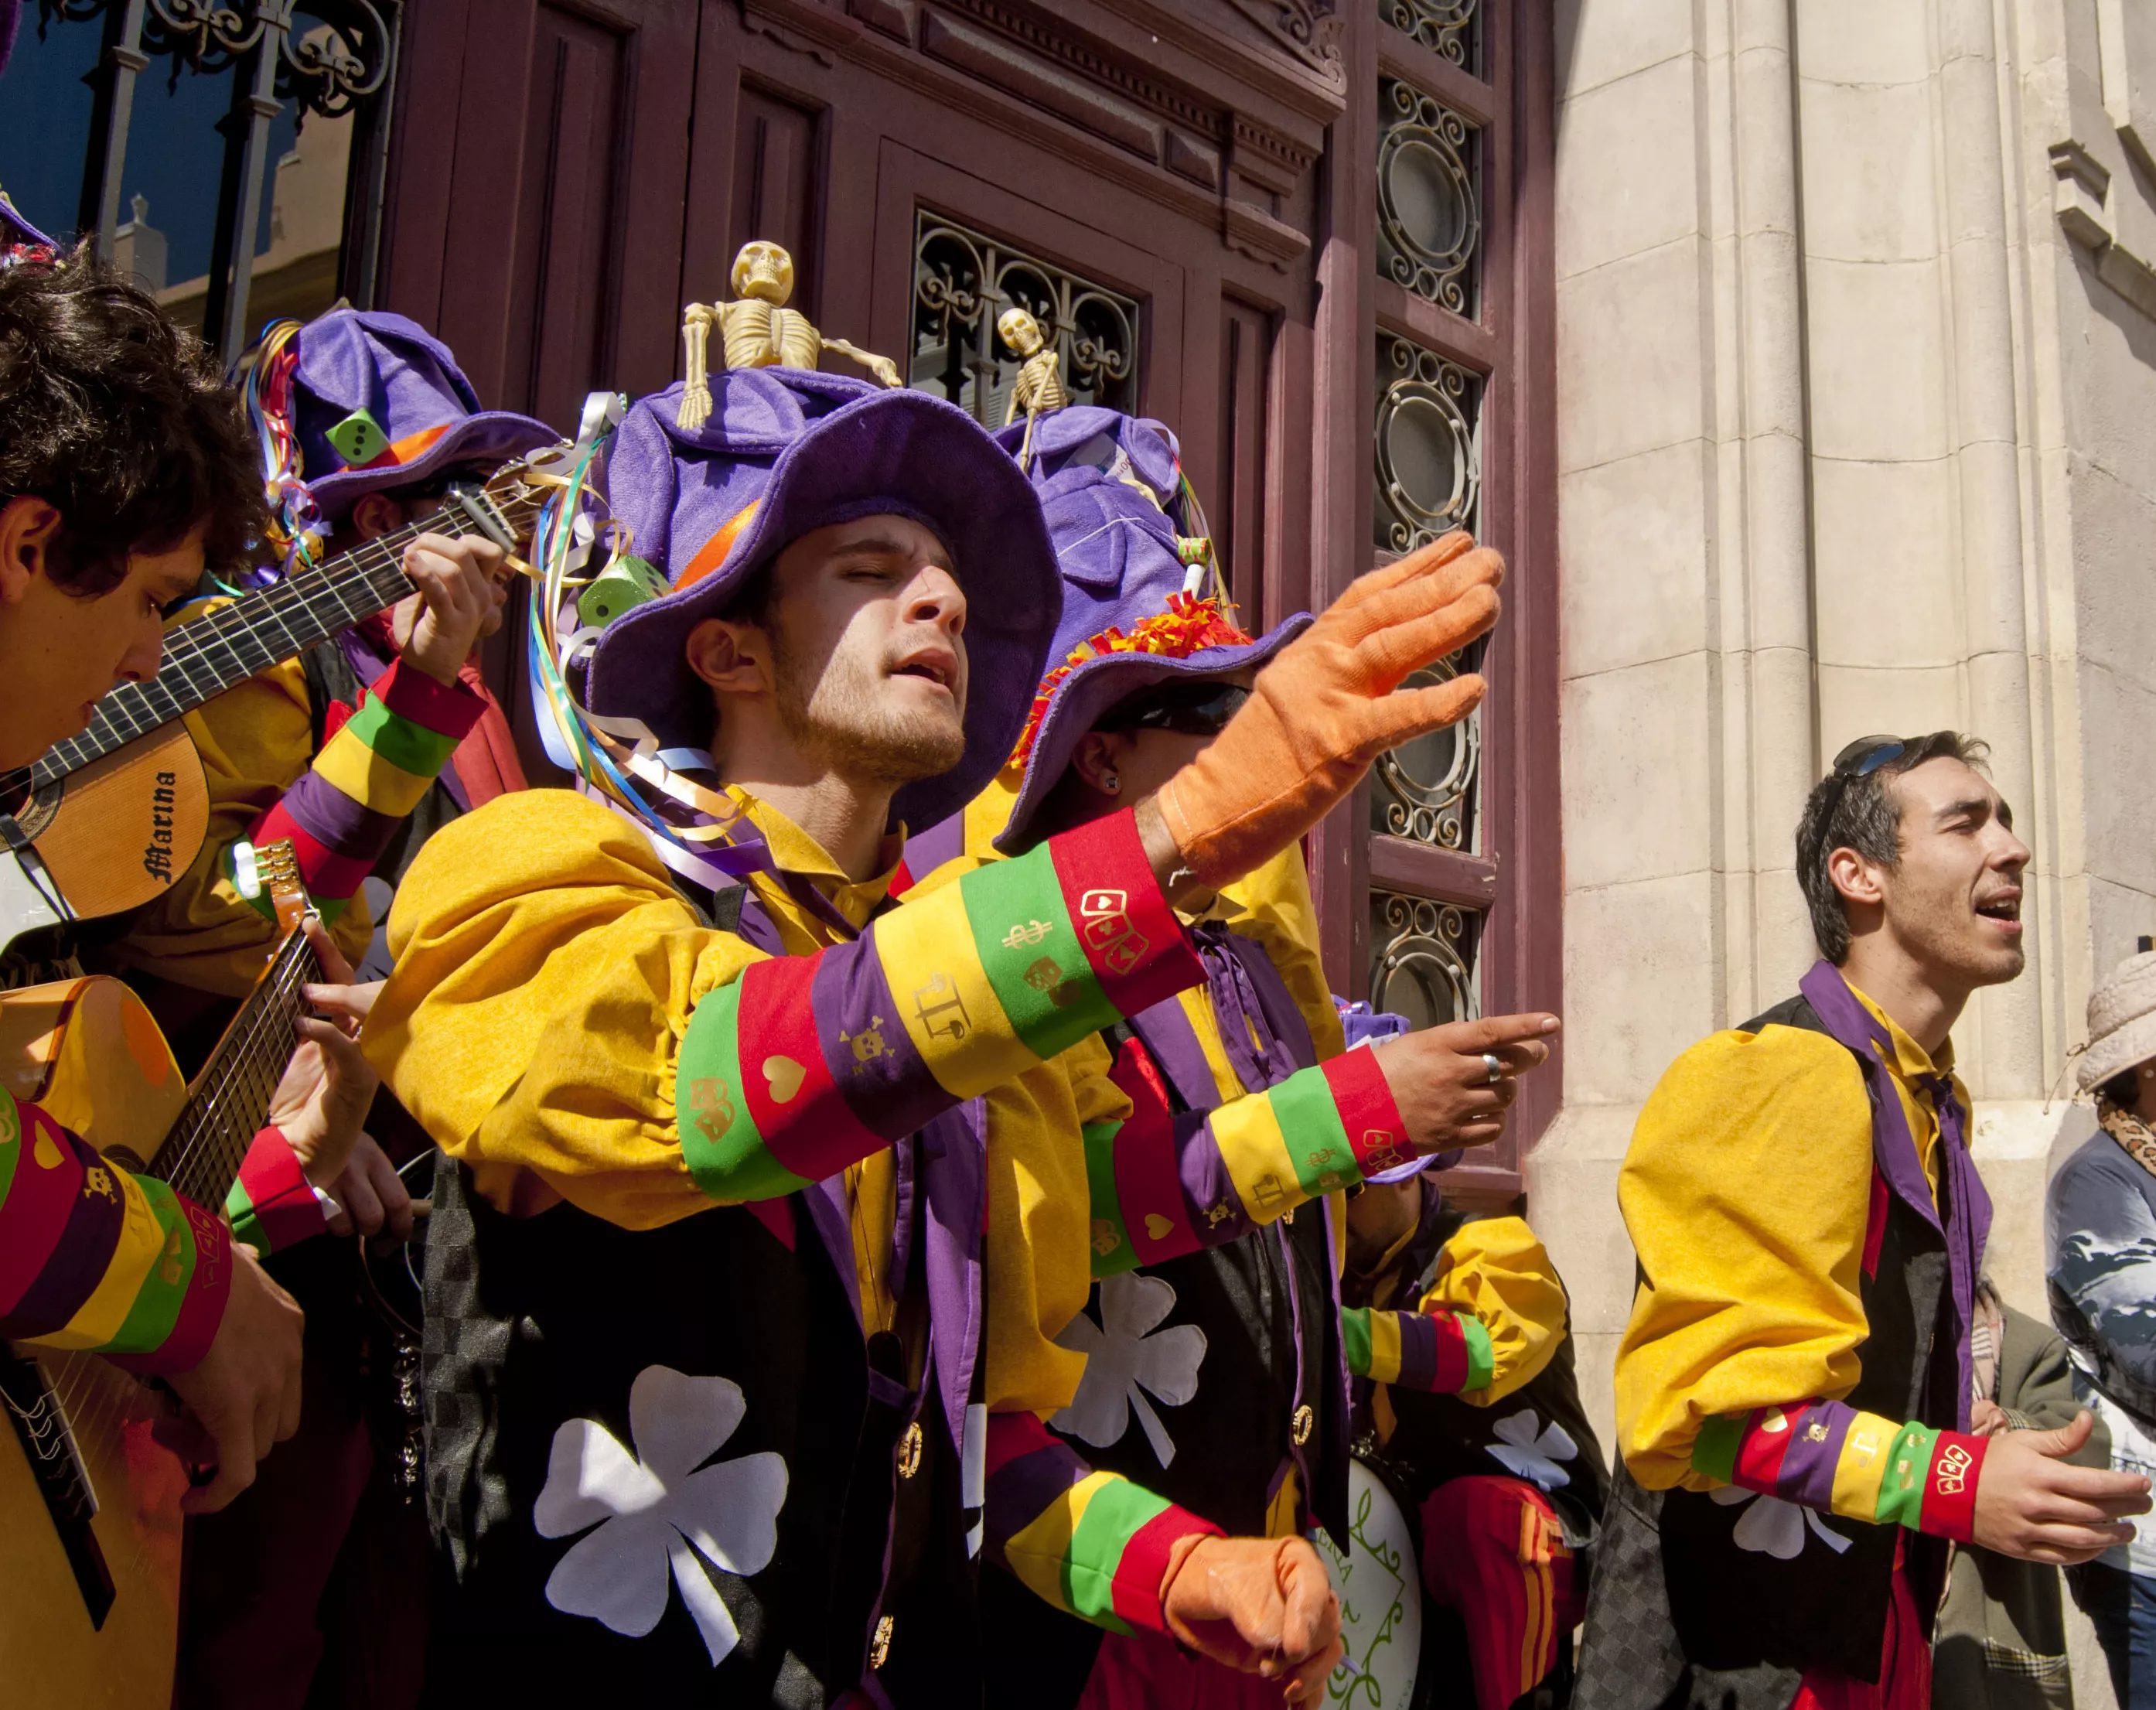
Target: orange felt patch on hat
x: 1188, y: 626
x: 410, y: 447
x: 713, y: 552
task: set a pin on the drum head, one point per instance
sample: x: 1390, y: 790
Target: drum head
x: 1380, y: 1587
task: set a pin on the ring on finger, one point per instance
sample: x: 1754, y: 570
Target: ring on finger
x: 1493, y: 1069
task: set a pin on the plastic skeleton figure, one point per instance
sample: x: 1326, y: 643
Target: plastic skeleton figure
x: 757, y: 331
x: 1040, y: 387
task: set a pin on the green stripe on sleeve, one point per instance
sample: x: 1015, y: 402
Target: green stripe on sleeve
x: 157, y: 1308
x: 1908, y: 1470
x: 1031, y: 954
x: 246, y: 1226
x: 10, y: 1141
x: 1481, y: 1360
x: 1117, y: 1513
x: 1317, y: 1142
x: 1355, y: 1339
x: 1109, y: 1236
x: 411, y: 747
x: 1714, y: 1450
x: 725, y: 1155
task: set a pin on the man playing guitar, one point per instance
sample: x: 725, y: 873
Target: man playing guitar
x: 125, y: 470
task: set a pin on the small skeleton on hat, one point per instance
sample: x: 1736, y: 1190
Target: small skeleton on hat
x: 1040, y: 385
x: 757, y: 331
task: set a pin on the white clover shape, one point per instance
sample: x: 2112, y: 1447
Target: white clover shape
x: 1775, y: 1527
x: 1530, y: 1450
x: 1123, y: 1361
x: 654, y: 1512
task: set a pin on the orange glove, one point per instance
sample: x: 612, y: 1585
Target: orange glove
x: 1324, y: 709
x: 1260, y: 1604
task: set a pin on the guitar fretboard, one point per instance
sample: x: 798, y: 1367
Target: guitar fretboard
x: 202, y: 1152
x: 209, y: 655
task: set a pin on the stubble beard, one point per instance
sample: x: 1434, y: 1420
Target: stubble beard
x: 839, y: 718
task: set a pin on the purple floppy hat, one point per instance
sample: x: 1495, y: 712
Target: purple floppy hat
x: 377, y: 404
x: 15, y: 231
x: 789, y: 450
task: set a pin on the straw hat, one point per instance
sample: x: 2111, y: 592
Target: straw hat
x: 2121, y: 1021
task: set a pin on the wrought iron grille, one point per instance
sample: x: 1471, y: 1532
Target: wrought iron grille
x: 327, y: 58
x: 1422, y: 958
x: 963, y: 280
x: 1429, y: 456
x: 1452, y: 27
x: 1430, y: 210
x: 1427, y: 790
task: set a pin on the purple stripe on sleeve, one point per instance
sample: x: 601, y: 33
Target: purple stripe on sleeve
x: 82, y: 1256
x: 1215, y: 1208
x: 870, y: 1054
x: 1808, y: 1464
x: 1418, y: 1350
x: 1020, y: 1491
x: 335, y: 820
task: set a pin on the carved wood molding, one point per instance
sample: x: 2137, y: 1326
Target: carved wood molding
x: 802, y: 25
x: 1309, y: 29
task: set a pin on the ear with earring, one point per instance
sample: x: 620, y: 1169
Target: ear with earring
x: 1111, y: 782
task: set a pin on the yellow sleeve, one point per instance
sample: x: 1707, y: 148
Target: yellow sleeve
x: 1497, y: 1272
x: 1038, y: 1258
x: 1280, y: 915
x: 545, y: 970
x: 255, y: 741
x: 1746, y: 1190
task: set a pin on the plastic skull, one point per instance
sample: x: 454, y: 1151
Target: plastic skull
x: 765, y: 271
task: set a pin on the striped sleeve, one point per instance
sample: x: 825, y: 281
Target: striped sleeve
x: 805, y: 1064
x: 1829, y: 1456
x: 1439, y: 1352
x: 1093, y: 1545
x: 343, y: 811
x: 272, y: 1206
x: 92, y: 1257
x: 1164, y: 1183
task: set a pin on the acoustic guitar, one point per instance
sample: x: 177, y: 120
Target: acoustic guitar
x: 112, y: 817
x: 89, y: 1496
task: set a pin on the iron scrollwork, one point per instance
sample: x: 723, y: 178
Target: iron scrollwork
x: 1452, y: 27
x: 332, y: 53
x: 1428, y: 451
x: 1425, y: 790
x: 1422, y: 958
x: 963, y: 282
x: 1430, y: 214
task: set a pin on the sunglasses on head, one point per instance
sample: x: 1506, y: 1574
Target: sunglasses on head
x: 1188, y: 709
x: 1858, y: 759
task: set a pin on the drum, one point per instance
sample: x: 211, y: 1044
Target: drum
x: 1379, y: 1582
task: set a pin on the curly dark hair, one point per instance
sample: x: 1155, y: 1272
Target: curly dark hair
x: 117, y: 417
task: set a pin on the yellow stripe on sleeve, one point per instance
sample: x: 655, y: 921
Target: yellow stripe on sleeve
x: 1039, y: 1553
x: 950, y: 1011
x: 142, y: 1243
x: 1248, y: 1133
x: 1384, y: 1347
x: 1865, y: 1452
x: 368, y: 778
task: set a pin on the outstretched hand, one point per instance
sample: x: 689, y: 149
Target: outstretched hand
x: 1439, y: 1078
x: 1328, y: 705
x: 2031, y: 1504
x: 1263, y: 1605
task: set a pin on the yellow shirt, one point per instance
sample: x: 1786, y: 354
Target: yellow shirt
x: 1747, y: 1191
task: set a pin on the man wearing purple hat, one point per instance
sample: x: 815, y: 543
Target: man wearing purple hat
x: 354, y: 752
x: 1243, y: 1341
x: 704, y: 1376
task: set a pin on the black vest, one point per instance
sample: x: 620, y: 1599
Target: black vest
x: 535, y: 1324
x: 1679, y: 1616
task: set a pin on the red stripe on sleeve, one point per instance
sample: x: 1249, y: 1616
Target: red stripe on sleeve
x: 329, y: 876
x: 1375, y: 1127
x: 202, y: 1309
x: 1131, y: 937
x: 1949, y: 1508
x: 1760, y: 1450
x: 798, y: 1109
x: 1137, y: 1587
x: 1013, y: 1435
x: 447, y: 709
x: 1147, y: 1181
x: 1450, y: 1376
x: 40, y: 1200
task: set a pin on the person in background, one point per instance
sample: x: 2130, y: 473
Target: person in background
x: 1809, y: 1227
x: 125, y: 470
x: 1509, y: 1479
x: 2001, y: 1639
x: 313, y: 1584
x: 2100, y: 1225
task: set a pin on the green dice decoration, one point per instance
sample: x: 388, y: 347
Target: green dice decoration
x: 624, y: 584
x: 358, y: 439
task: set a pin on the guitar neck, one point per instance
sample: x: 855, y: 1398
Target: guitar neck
x: 209, y: 655
x: 225, y: 1108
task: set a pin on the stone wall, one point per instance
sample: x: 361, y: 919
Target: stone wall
x: 1857, y: 433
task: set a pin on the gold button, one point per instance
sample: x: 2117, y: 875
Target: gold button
x: 1303, y: 1421
x: 909, y: 1451
x: 880, y: 1646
